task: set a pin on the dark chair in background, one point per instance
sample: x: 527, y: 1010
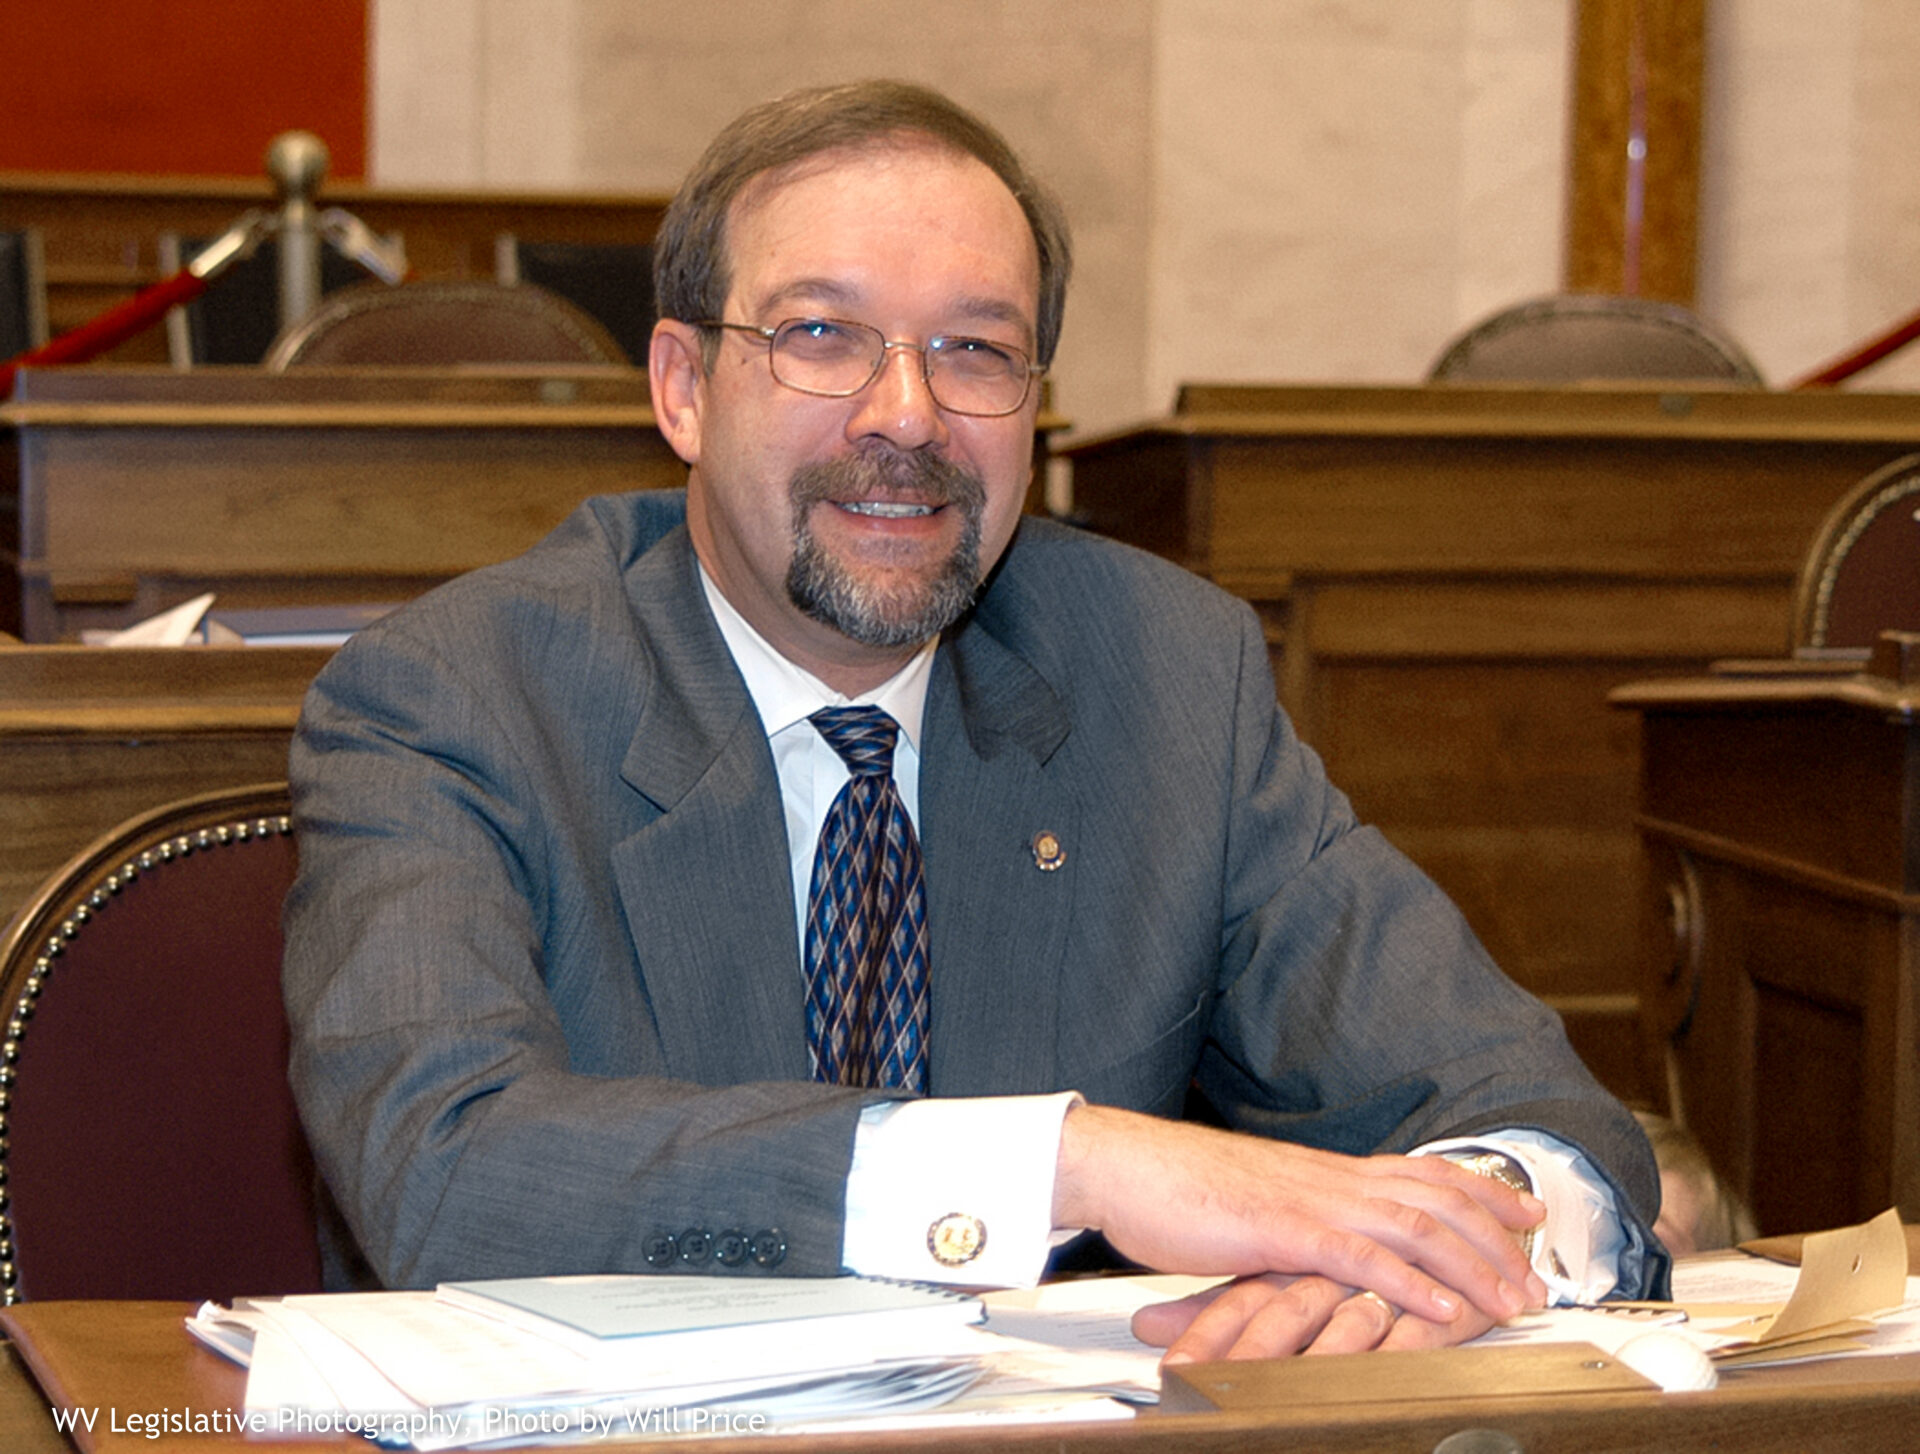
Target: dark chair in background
x: 23, y: 293
x: 236, y: 320
x: 1862, y: 575
x: 151, y: 1148
x: 1580, y: 337
x: 612, y: 281
x: 443, y: 324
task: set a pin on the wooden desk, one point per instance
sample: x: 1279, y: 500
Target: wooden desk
x: 1453, y: 578
x: 133, y: 489
x: 1780, y: 929
x: 89, y: 737
x: 1866, y: 1404
x: 138, y: 488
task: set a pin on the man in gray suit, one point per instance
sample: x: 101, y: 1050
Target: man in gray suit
x: 568, y: 985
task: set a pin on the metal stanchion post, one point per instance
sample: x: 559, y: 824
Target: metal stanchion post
x: 297, y: 162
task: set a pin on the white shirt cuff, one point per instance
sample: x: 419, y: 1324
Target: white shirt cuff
x: 1578, y: 1255
x: 955, y: 1190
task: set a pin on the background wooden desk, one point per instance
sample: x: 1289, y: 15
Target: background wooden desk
x: 1866, y: 1404
x: 89, y: 737
x: 1452, y: 579
x: 138, y: 488
x: 1781, y: 930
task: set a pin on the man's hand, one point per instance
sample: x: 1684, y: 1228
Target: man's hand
x: 1274, y: 1315
x: 1428, y: 1236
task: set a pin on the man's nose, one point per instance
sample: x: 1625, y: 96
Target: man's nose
x: 898, y: 406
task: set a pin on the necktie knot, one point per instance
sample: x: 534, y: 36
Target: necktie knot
x: 863, y: 736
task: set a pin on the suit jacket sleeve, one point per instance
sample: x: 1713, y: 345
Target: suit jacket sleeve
x: 1232, y: 926
x: 1356, y: 1009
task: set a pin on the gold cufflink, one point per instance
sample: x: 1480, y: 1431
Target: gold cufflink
x: 1048, y: 852
x: 956, y: 1239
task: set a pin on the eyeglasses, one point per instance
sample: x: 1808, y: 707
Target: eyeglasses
x: 834, y: 359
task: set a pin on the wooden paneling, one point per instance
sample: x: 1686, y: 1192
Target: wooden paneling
x: 1487, y: 615
x: 1504, y: 784
x: 1453, y: 579
x: 89, y: 737
x: 140, y: 488
x: 1779, y: 932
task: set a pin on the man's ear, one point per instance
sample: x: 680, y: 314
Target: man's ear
x: 677, y: 377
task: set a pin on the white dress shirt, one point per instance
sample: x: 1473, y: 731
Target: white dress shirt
x: 992, y: 1159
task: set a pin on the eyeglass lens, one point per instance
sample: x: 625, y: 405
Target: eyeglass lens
x: 966, y: 375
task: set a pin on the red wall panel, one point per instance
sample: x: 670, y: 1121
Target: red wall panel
x: 182, y: 87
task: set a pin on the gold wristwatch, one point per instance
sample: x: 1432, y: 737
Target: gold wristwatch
x: 1500, y: 1167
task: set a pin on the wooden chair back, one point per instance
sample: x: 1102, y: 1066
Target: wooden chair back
x: 1862, y: 575
x: 1577, y: 337
x: 441, y: 324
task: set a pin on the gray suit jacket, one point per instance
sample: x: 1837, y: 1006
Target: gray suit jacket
x: 541, y: 962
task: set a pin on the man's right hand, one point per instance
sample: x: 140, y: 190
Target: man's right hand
x: 1426, y: 1235
x: 1274, y: 1315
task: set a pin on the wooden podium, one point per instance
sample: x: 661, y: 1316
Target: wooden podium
x: 1780, y: 927
x: 1452, y: 579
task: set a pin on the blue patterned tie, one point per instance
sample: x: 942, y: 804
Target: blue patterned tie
x: 866, y: 952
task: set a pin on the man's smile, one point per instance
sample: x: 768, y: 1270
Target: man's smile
x: 886, y: 509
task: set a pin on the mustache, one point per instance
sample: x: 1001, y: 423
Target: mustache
x: 878, y: 469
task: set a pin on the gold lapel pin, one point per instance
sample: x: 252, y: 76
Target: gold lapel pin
x: 1048, y: 852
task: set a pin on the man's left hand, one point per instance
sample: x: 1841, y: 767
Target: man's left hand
x: 1275, y: 1315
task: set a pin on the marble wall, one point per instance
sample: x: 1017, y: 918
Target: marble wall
x: 624, y: 94
x: 1262, y: 189
x: 1338, y: 187
x: 1810, y: 180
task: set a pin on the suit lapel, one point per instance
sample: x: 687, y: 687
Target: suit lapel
x: 999, y: 921
x: 705, y: 883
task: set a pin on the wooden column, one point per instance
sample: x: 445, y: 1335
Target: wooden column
x: 1634, y: 169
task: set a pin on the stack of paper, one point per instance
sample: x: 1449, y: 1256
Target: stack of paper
x: 194, y: 623
x: 1852, y: 1286
x: 594, y: 1356
x: 561, y: 1358
x: 1851, y: 1295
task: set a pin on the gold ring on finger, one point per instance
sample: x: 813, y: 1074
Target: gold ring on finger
x: 1369, y: 1295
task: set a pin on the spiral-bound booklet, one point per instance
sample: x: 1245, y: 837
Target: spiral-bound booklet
x: 640, y: 1305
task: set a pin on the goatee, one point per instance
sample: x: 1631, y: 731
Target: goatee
x: 871, y: 611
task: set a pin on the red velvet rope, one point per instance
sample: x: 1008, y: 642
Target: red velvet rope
x: 1845, y: 367
x: 118, y: 323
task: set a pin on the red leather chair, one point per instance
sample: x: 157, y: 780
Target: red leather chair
x: 150, y: 1146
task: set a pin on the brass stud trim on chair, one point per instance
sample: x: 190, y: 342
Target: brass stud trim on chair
x: 23, y: 1007
x: 1848, y: 538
